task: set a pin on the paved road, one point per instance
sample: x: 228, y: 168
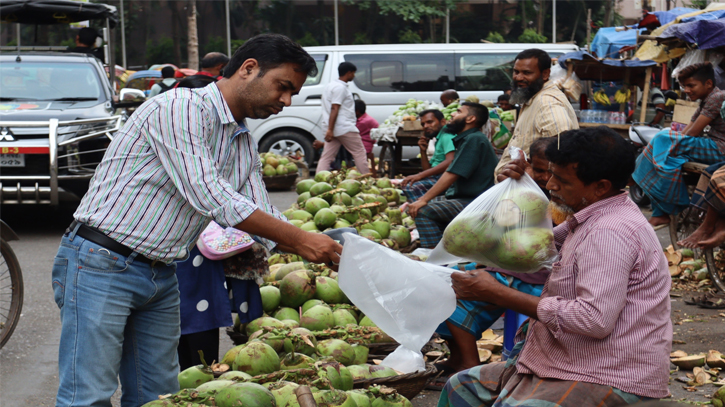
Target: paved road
x: 28, y: 363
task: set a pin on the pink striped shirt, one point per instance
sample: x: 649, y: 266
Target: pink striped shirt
x: 604, y: 315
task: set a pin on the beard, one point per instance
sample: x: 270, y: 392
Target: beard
x: 519, y: 95
x: 456, y: 126
x: 255, y: 96
x: 560, y: 213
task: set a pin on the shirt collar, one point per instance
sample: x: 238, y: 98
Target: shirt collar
x: 217, y: 100
x: 583, y: 215
x: 341, y: 81
x: 547, y: 86
x: 461, y: 136
x: 712, y: 94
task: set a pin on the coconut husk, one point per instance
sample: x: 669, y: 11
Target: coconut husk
x: 493, y: 346
x: 489, y: 335
x: 678, y: 354
x: 689, y: 362
x: 715, y: 359
x: 484, y: 355
x: 674, y: 258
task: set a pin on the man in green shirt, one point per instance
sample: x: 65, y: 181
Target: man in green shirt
x: 415, y: 186
x: 469, y: 175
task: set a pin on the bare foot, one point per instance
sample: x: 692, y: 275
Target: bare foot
x: 659, y: 220
x: 716, y: 238
x: 703, y: 232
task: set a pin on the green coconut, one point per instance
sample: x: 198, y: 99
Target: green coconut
x: 296, y: 360
x: 290, y: 323
x: 301, y: 346
x: 341, y: 223
x: 317, y: 318
x: 329, y: 291
x: 381, y: 371
x: 342, y: 198
x: 269, y: 171
x: 384, y: 183
x: 311, y: 303
x: 309, y: 227
x: 334, y: 398
x: 296, y: 223
x: 370, y: 234
x: 323, y: 176
x: 343, y: 317
x: 360, y: 371
x: 361, y: 400
x: 284, y: 393
x: 288, y: 268
x: 352, y: 174
x: 256, y: 358
x: 270, y: 298
x: 467, y: 235
x: 523, y: 249
x: 245, y: 395
x: 235, y: 374
x: 394, y: 216
x: 261, y: 322
x: 391, y: 400
x: 338, y: 349
x: 297, y: 287
x: 352, y: 187
x: 303, y: 197
x: 287, y: 313
x: 325, y: 218
x: 361, y: 353
x: 337, y: 208
x: 291, y: 168
x: 320, y: 188
x: 299, y: 214
x: 313, y: 205
x: 390, y: 195
x: 194, y: 376
x: 350, y: 217
x: 382, y: 227
x: 231, y: 354
x: 281, y: 170
x: 366, y: 321
x: 211, y: 388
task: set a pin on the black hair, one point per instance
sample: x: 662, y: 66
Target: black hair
x: 538, y: 147
x: 599, y: 152
x: 360, y: 106
x: 450, y: 94
x: 479, y: 111
x: 701, y: 72
x: 346, y: 67
x: 271, y: 51
x: 435, y: 112
x: 540, y: 55
x: 213, y: 59
x: 504, y: 97
x: 87, y: 36
x: 167, y: 72
x: 196, y: 81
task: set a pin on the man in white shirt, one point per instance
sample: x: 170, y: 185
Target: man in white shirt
x: 167, y: 83
x: 339, y: 121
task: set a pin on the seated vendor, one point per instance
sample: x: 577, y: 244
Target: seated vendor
x: 600, y: 334
x: 659, y: 167
x: 416, y: 185
x: 471, y: 318
x: 470, y: 173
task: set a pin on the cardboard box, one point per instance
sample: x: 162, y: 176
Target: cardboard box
x: 684, y: 111
x: 412, y: 126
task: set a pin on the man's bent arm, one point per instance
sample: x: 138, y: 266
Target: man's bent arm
x: 440, y: 168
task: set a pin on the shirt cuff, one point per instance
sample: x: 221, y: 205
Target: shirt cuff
x: 234, y: 213
x: 546, y: 312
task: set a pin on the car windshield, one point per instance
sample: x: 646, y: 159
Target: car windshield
x: 48, y: 81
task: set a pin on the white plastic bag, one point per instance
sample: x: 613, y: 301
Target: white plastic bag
x: 508, y: 226
x: 405, y: 298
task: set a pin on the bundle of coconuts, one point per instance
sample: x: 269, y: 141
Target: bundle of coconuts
x: 346, y: 198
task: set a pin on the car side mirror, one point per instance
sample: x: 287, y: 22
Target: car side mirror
x: 130, y: 97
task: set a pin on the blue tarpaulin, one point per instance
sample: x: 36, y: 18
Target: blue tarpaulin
x: 591, y: 68
x: 706, y: 34
x: 669, y: 16
x: 608, y: 42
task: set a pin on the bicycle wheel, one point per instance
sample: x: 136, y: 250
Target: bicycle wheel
x: 683, y: 224
x: 11, y: 292
x: 715, y: 259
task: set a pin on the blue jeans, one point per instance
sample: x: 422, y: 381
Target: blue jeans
x: 120, y: 318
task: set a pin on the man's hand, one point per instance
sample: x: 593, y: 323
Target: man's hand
x: 415, y: 207
x: 423, y: 144
x: 474, y: 285
x: 317, y: 144
x: 410, y: 179
x: 328, y: 135
x: 319, y: 248
x: 514, y: 169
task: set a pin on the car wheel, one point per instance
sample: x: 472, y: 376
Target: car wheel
x: 638, y: 196
x: 289, y: 143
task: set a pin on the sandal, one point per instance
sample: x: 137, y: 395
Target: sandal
x: 696, y: 300
x: 715, y: 302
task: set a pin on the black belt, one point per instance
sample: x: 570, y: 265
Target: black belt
x: 97, y: 237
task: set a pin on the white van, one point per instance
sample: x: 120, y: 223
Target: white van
x: 387, y: 76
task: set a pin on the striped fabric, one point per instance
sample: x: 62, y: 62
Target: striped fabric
x: 604, y: 314
x: 710, y: 189
x: 433, y: 218
x: 417, y: 189
x: 179, y: 162
x: 547, y: 114
x: 659, y: 168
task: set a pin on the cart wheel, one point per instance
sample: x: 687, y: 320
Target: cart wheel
x: 683, y: 224
x: 638, y: 196
x: 11, y: 292
x: 715, y: 259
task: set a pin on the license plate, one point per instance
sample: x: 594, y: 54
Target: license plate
x: 12, y: 160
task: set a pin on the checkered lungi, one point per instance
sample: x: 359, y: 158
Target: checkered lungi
x: 499, y: 385
x: 659, y: 168
x: 710, y: 189
x: 433, y: 218
x: 417, y: 189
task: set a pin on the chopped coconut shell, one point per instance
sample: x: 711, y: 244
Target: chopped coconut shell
x: 674, y: 258
x: 489, y: 335
x: 678, y: 354
x: 715, y: 359
x: 484, y: 355
x: 493, y: 346
x: 689, y: 362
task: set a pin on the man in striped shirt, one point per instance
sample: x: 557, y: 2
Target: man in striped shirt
x: 183, y: 159
x: 600, y: 334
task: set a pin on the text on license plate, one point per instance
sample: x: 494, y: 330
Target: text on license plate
x: 12, y: 160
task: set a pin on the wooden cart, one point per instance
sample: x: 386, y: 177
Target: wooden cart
x: 391, y: 154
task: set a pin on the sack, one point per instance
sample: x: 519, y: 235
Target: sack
x: 217, y: 243
x: 508, y: 226
x: 405, y: 298
x: 501, y: 135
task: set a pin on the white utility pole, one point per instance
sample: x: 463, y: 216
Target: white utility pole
x: 229, y: 30
x: 123, y: 38
x: 337, y: 31
x: 448, y: 26
x: 553, y: 22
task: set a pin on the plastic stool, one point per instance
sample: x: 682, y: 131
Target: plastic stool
x: 511, y: 322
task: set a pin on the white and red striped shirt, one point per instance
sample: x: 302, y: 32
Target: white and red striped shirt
x: 604, y: 315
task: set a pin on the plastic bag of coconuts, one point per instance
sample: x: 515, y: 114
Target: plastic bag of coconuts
x: 508, y: 226
x: 395, y: 292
